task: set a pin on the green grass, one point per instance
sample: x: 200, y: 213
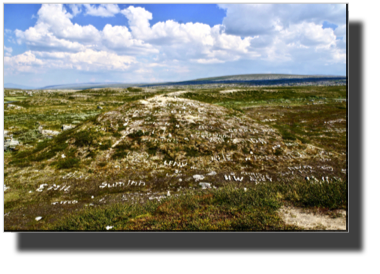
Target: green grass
x: 191, y: 152
x: 119, y: 154
x: 84, y: 138
x: 226, y: 208
x: 223, y: 209
x: 137, y: 134
x: 260, y: 96
x: 105, y: 145
x: 67, y: 163
x: 52, y: 110
x: 13, y: 99
x: 131, y: 89
x: 331, y: 195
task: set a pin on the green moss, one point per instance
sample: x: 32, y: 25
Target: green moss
x: 44, y: 156
x: 91, y: 154
x: 245, y: 150
x: 102, y: 164
x: 67, y: 163
x: 119, y: 154
x: 131, y: 89
x: 116, y: 134
x: 191, y: 152
x: 123, y: 146
x: 105, y: 145
x: 152, y: 150
x: 136, y: 134
x: 83, y: 138
x: 21, y: 162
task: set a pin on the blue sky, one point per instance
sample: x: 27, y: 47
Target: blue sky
x: 60, y: 44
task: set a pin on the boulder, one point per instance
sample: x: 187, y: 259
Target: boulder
x: 67, y: 127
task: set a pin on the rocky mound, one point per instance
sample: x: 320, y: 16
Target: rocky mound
x: 167, y: 143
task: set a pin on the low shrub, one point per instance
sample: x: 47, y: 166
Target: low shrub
x: 105, y: 145
x: 67, y: 163
x: 83, y: 138
x: 119, y: 154
x: 191, y: 152
x: 136, y: 134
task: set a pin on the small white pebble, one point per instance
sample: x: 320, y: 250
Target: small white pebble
x: 30, y: 191
x: 109, y: 227
x: 92, y: 197
x: 245, y: 189
x: 63, y: 156
x: 38, y: 218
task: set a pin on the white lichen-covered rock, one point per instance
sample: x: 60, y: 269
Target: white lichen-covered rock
x: 67, y: 127
x: 38, y: 218
x: 12, y: 106
x: 11, y: 144
x: 198, y: 177
x: 205, y: 185
x: 48, y: 132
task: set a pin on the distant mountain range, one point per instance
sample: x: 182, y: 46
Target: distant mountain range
x: 16, y: 86
x: 259, y: 78
x: 267, y: 76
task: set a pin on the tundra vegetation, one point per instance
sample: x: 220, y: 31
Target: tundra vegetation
x: 139, y: 158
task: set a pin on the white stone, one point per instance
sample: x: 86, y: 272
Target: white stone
x: 109, y: 227
x: 212, y: 173
x: 38, y: 218
x: 198, y: 177
x: 63, y: 156
x: 205, y: 185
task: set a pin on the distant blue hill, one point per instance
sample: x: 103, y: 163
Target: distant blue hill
x: 93, y: 85
x: 261, y: 80
x: 17, y: 86
x: 247, y: 79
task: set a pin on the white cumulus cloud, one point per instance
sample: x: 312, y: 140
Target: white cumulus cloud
x: 8, y: 51
x: 260, y: 36
x: 103, y: 10
x: 75, y: 8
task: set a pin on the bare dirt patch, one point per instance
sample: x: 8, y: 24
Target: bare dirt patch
x: 312, y: 221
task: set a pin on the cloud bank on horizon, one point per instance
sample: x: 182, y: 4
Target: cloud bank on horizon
x: 250, y: 38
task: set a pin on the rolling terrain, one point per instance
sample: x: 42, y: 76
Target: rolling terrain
x: 141, y: 158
